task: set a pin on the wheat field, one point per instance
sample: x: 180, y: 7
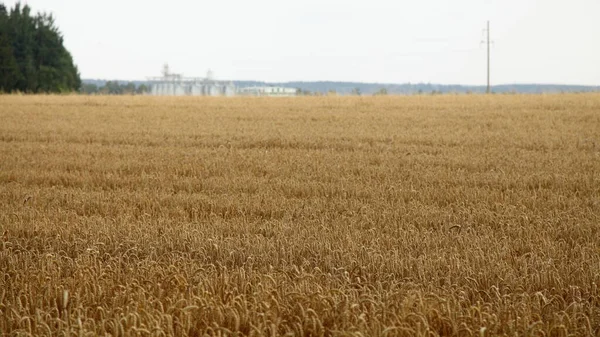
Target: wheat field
x: 310, y: 216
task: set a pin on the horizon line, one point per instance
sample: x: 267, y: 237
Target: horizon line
x: 370, y: 83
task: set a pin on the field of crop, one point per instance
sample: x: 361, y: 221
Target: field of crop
x: 311, y: 216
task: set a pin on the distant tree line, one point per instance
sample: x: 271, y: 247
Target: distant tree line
x: 367, y: 89
x: 33, y: 58
x: 114, y: 88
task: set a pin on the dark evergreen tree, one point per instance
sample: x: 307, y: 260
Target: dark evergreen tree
x: 23, y: 44
x: 32, y: 55
x: 9, y: 70
x: 56, y: 71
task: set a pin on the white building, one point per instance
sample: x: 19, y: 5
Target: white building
x: 171, y: 84
x: 268, y: 91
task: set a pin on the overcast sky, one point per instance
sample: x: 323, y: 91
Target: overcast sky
x: 388, y: 41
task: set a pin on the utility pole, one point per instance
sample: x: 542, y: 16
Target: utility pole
x: 488, y: 57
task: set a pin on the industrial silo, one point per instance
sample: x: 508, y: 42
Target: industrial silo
x: 178, y: 89
x: 162, y: 88
x: 212, y: 90
x: 228, y: 90
x: 196, y: 90
x: 171, y: 84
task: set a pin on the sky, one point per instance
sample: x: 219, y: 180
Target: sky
x: 382, y: 41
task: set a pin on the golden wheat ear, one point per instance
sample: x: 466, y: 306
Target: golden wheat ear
x: 458, y: 227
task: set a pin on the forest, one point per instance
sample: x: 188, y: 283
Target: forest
x: 33, y: 58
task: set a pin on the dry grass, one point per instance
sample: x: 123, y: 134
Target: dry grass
x: 330, y: 216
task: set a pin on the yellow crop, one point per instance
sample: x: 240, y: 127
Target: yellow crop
x: 309, y: 216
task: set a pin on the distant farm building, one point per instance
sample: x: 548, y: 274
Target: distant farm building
x: 267, y: 91
x: 171, y: 84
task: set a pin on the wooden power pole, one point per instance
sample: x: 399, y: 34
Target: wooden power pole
x: 488, y: 57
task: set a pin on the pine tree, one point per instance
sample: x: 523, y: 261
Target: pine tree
x: 32, y: 55
x: 9, y: 70
x: 23, y: 44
